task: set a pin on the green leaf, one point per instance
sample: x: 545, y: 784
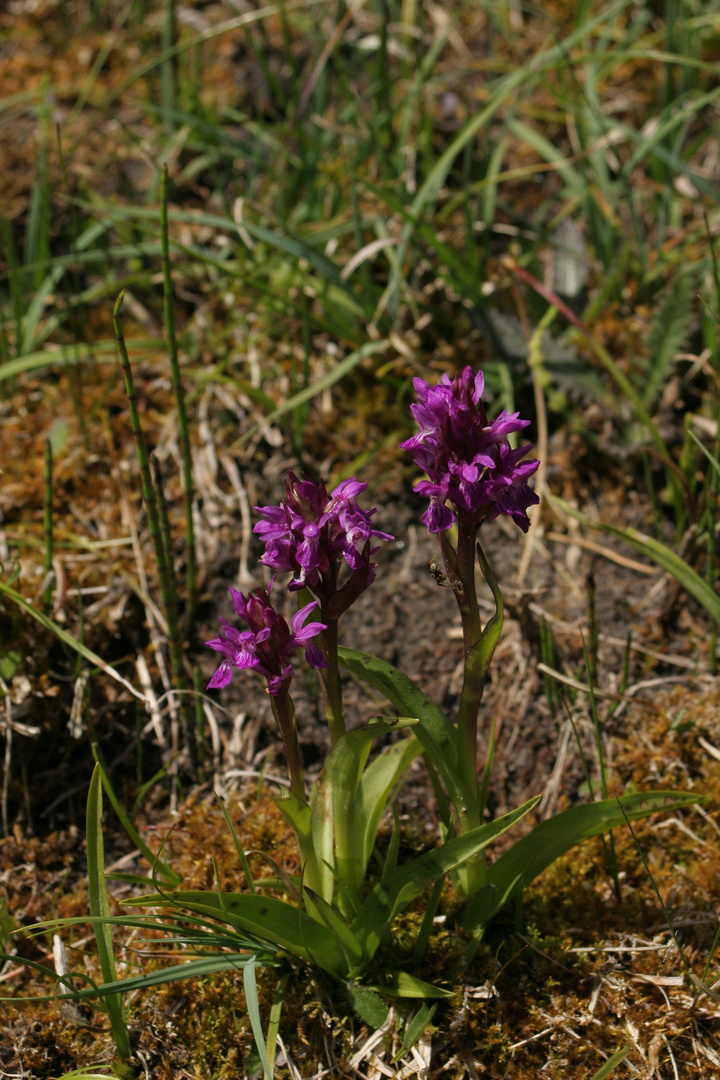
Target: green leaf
x: 50, y: 357
x: 123, y: 1071
x: 158, y: 865
x: 265, y: 917
x: 253, y: 1008
x: 711, y: 457
x: 414, y: 1029
x: 7, y: 925
x: 375, y: 788
x: 401, y: 887
x: 436, y: 733
x: 100, y: 908
x: 192, y: 969
x: 611, y: 1062
x: 660, y: 554
x: 342, y: 772
x: 9, y: 663
x: 335, y: 923
x: 515, y: 869
x: 403, y: 984
x: 312, y: 825
x: 323, y: 837
x: 369, y: 1006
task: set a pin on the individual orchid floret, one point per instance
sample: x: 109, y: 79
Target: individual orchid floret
x: 468, y: 461
x: 311, y: 534
x: 267, y: 645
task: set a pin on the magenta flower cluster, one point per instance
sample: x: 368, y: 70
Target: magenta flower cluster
x: 469, y: 462
x: 311, y: 533
x: 266, y: 646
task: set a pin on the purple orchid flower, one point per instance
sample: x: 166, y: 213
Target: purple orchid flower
x: 468, y: 461
x: 310, y: 534
x: 267, y: 645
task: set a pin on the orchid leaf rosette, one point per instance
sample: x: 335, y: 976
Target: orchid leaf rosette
x: 325, y: 542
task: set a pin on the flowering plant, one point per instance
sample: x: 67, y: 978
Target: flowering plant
x: 324, y: 541
x: 338, y: 915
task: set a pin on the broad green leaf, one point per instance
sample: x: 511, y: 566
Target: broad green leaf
x: 85, y: 1074
x: 414, y: 1029
x: 337, y: 926
x: 401, y: 887
x: 369, y: 1006
x: 298, y: 815
x: 265, y: 917
x: 660, y: 554
x: 323, y: 836
x: 516, y: 868
x: 375, y: 788
x: 100, y: 909
x: 437, y: 735
x: 342, y: 772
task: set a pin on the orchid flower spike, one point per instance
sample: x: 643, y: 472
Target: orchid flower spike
x: 268, y: 643
x: 468, y: 461
x: 311, y: 534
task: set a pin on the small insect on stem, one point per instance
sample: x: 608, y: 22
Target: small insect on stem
x: 438, y: 574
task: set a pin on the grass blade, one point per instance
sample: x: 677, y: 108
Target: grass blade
x: 658, y: 553
x: 185, y: 450
x: 253, y: 1008
x: 68, y: 639
x: 612, y: 1062
x: 158, y: 865
x: 100, y: 908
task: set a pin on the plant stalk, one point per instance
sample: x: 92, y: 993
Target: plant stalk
x: 167, y: 590
x: 185, y: 449
x: 284, y: 712
x: 330, y: 678
x: 48, y: 528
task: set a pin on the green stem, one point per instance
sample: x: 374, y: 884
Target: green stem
x: 284, y: 712
x: 167, y: 591
x: 167, y: 73
x: 460, y: 568
x: 330, y: 676
x: 480, y: 645
x: 185, y: 449
x: 199, y: 723
x: 164, y: 520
